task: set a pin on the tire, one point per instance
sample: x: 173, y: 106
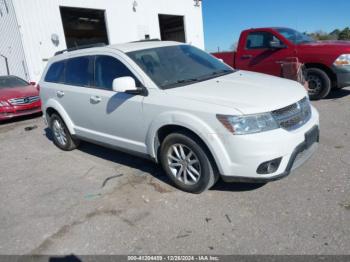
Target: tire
x: 200, y: 172
x: 61, y: 135
x: 319, y: 83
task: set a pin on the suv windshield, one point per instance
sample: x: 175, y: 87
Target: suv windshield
x: 174, y: 66
x: 295, y: 36
x: 11, y: 81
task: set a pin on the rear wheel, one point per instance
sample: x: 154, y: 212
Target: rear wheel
x: 61, y: 135
x: 187, y: 163
x: 319, y: 83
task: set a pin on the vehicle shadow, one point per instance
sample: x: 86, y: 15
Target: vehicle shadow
x: 20, y: 118
x: 338, y: 93
x: 149, y: 167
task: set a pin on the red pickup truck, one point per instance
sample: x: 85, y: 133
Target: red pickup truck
x: 264, y: 50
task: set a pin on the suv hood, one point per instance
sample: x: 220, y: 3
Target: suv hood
x: 247, y: 92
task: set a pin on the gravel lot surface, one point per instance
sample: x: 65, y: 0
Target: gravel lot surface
x: 99, y: 201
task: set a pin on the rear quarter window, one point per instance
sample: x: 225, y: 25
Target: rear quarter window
x: 55, y: 73
x: 78, y: 71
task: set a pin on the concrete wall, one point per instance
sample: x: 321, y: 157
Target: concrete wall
x: 10, y: 42
x: 39, y: 19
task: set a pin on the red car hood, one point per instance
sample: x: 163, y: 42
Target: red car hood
x: 18, y: 92
x: 331, y: 43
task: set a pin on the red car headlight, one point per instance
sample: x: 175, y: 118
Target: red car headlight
x: 4, y: 103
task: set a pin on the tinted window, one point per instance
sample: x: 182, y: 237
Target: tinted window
x: 260, y: 40
x: 295, y: 36
x: 55, y: 72
x: 77, y: 71
x: 12, y: 81
x: 178, y: 65
x: 108, y: 68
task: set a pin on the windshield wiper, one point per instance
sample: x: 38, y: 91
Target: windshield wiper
x: 186, y: 80
x: 222, y: 72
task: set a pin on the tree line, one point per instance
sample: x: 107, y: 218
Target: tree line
x: 334, y: 35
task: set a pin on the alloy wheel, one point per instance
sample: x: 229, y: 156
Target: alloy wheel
x: 59, y: 132
x: 184, y: 164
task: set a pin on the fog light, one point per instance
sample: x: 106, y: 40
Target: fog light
x: 269, y: 167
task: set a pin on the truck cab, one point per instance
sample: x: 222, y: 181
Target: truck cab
x: 265, y: 50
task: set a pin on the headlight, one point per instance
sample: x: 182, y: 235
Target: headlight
x: 249, y: 124
x: 342, y: 60
x: 4, y: 103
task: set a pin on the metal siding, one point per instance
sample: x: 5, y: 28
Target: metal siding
x: 39, y: 19
x: 11, y: 42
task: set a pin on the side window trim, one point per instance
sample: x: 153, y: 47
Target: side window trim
x: 94, y: 86
x: 62, y: 77
x: 91, y: 73
x: 261, y: 32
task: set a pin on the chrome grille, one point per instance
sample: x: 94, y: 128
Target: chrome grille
x: 24, y: 100
x: 293, y: 116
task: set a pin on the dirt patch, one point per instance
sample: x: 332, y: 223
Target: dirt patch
x: 158, y: 187
x: 65, y: 229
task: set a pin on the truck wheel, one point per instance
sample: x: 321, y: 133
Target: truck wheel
x: 186, y: 162
x: 319, y: 83
x: 61, y: 135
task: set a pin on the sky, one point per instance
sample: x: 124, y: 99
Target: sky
x: 225, y: 19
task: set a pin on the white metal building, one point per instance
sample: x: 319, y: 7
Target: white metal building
x: 31, y: 31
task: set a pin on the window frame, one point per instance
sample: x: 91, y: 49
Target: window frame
x: 90, y: 67
x: 261, y: 32
x: 62, y: 80
x: 93, y: 86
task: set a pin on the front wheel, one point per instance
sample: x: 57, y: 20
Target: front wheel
x: 187, y: 163
x: 319, y: 83
x: 61, y: 135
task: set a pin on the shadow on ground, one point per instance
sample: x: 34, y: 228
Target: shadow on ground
x: 149, y: 167
x: 338, y: 93
x: 19, y: 119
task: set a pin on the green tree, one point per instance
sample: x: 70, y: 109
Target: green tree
x: 345, y: 34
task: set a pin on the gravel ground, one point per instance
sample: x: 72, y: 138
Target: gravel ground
x: 99, y: 201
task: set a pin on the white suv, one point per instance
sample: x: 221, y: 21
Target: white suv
x: 181, y: 107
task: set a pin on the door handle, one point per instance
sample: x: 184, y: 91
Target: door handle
x: 60, y: 94
x: 95, y: 99
x: 246, y: 56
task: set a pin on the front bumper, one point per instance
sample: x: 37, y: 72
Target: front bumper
x: 343, y: 75
x: 241, y: 156
x: 299, y: 156
x: 17, y: 111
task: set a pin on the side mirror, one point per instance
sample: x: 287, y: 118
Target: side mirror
x: 32, y: 83
x: 277, y: 45
x: 126, y: 85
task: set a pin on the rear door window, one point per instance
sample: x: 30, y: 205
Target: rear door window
x: 107, y: 69
x: 78, y: 72
x: 55, y: 73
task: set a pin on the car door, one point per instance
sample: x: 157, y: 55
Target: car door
x: 116, y: 118
x: 258, y: 56
x: 74, y: 90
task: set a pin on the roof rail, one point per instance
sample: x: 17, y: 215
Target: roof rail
x: 80, y: 47
x: 146, y: 40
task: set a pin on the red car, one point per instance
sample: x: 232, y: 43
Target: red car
x: 18, y: 98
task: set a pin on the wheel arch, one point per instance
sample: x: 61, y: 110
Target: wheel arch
x: 168, y: 129
x: 54, y: 107
x: 326, y: 69
x: 169, y: 122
